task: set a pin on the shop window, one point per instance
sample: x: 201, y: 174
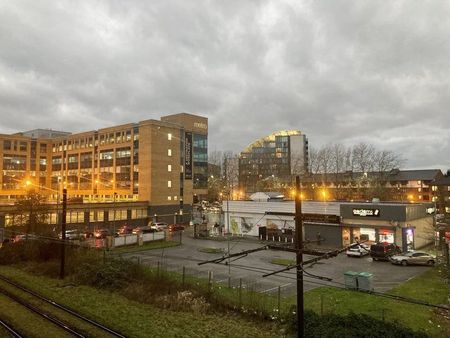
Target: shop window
x: 386, y: 236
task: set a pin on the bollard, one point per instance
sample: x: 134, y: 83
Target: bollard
x: 240, y: 292
x: 285, y: 239
x: 183, y: 276
x: 157, y: 269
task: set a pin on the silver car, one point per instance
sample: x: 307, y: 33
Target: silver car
x: 159, y: 226
x: 358, y: 250
x: 413, y: 258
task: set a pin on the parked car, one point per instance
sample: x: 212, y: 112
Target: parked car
x: 358, y: 250
x: 382, y: 251
x: 87, y: 234
x: 159, y: 226
x: 413, y: 258
x: 175, y: 227
x: 143, y: 230
x: 101, y: 233
x: 71, y: 235
x: 125, y: 230
x: 23, y: 237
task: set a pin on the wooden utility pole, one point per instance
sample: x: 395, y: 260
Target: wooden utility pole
x: 63, y: 234
x: 299, y: 253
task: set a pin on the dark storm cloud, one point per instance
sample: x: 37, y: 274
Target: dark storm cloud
x: 345, y: 71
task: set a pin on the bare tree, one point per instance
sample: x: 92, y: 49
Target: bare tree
x: 337, y: 152
x: 362, y: 155
x: 32, y: 212
x: 231, y: 171
x: 216, y: 158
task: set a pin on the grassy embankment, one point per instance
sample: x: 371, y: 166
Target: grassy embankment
x: 132, y: 318
x: 429, y: 287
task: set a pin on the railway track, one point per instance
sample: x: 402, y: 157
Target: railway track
x: 11, y: 330
x: 49, y: 317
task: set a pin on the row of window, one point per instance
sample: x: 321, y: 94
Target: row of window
x: 74, y: 217
x: 102, y: 139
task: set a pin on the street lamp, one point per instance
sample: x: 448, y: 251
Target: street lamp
x: 324, y: 195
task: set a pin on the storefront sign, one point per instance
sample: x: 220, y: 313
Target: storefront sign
x: 366, y: 212
x: 188, y: 156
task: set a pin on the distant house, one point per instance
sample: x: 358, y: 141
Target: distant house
x: 441, y: 190
x: 394, y: 185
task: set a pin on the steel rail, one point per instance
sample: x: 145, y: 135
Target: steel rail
x: 32, y: 308
x: 63, y: 308
x: 10, y: 329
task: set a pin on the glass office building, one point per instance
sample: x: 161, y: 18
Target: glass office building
x: 276, y: 157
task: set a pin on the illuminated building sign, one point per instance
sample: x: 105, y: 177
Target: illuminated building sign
x: 366, y: 212
x: 188, y: 156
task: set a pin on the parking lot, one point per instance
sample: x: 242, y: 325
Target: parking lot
x: 250, y: 269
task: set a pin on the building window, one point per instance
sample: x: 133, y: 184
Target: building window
x: 169, y: 152
x: 169, y: 137
x: 434, y: 188
x: 96, y: 216
x: 6, y: 145
x: 169, y: 198
x: 419, y: 182
x: 169, y: 184
x: 175, y: 198
x: 169, y: 167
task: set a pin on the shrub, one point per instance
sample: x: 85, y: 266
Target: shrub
x: 351, y: 325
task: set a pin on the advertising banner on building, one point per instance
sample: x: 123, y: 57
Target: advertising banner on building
x: 188, y: 156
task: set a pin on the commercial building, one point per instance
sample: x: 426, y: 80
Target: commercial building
x: 160, y: 162
x: 338, y: 224
x: 274, y: 158
x: 393, y: 185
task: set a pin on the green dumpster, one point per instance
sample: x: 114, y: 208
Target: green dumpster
x: 365, y: 281
x: 351, y: 279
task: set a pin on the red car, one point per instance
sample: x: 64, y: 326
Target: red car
x: 175, y: 227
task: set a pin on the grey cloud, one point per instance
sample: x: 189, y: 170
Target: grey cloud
x: 340, y: 71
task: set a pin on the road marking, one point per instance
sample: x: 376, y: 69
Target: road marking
x: 276, y: 288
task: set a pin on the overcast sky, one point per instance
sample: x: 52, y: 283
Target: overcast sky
x: 339, y: 71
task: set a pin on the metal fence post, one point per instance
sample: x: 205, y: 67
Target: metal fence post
x: 240, y: 292
x: 279, y: 301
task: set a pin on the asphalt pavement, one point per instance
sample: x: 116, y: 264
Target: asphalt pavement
x: 249, y: 269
